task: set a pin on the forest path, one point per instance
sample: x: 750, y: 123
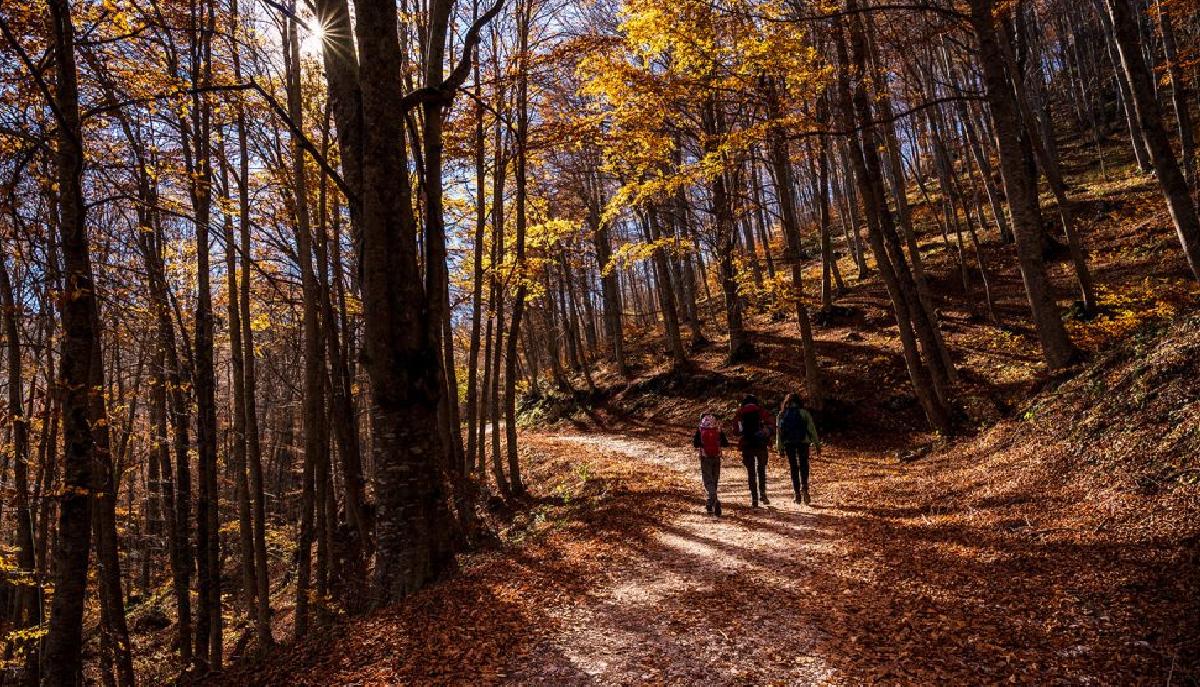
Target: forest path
x: 741, y: 599
x: 610, y: 573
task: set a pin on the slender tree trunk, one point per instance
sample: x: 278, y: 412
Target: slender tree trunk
x: 893, y: 270
x: 785, y: 193
x: 666, y: 293
x: 610, y: 290
x: 725, y: 231
x: 1179, y: 94
x: 1149, y: 116
x: 1057, y: 349
x: 316, y: 444
x: 198, y: 161
x: 473, y: 403
x: 262, y: 616
x: 237, y: 443
x: 1141, y: 155
x: 524, y: 12
x: 25, y: 598
x: 1049, y: 168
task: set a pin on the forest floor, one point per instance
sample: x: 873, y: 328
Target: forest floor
x: 941, y: 571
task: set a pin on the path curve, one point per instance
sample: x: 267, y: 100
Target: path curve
x: 711, y: 600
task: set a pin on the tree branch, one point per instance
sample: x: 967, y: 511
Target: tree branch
x: 251, y: 85
x: 41, y: 83
x: 443, y: 93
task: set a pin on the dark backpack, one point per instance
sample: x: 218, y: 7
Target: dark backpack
x: 792, y: 428
x: 753, y: 431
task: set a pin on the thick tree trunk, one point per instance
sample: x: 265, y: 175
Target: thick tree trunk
x: 78, y: 346
x: 401, y: 350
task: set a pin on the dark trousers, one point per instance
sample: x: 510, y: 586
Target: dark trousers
x: 710, y: 474
x: 797, y: 455
x: 755, y: 460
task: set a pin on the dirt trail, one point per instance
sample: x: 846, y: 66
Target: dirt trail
x: 731, y: 600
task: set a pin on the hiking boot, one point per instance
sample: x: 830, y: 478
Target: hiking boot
x: 798, y: 499
x: 807, y: 500
x: 717, y: 508
x: 708, y: 508
x: 754, y: 503
x: 766, y: 501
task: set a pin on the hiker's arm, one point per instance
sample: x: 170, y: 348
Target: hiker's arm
x: 696, y: 439
x: 724, y: 439
x: 812, y: 430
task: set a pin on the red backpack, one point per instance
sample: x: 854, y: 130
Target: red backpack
x: 710, y: 440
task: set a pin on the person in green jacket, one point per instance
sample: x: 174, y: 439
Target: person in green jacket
x: 796, y: 434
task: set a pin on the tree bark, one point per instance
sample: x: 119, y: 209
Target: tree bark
x: 401, y: 352
x: 78, y: 347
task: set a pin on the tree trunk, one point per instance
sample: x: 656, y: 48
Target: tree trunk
x: 1137, y: 139
x: 893, y: 270
x: 401, y: 352
x: 1021, y: 192
x: 524, y: 12
x: 1179, y: 94
x: 785, y: 193
x: 79, y: 343
x: 1149, y: 116
x: 316, y: 444
x: 473, y: 402
x: 666, y: 293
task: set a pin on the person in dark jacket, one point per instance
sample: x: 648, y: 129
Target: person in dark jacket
x: 708, y: 440
x: 754, y: 427
x: 796, y: 434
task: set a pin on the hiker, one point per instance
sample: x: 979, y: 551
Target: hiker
x: 708, y: 441
x: 753, y: 424
x: 796, y: 433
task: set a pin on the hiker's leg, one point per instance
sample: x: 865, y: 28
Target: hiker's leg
x: 751, y: 477
x: 791, y: 450
x: 762, y: 471
x: 803, y: 460
x: 716, y: 481
x: 708, y: 468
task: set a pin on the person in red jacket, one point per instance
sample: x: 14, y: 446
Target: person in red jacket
x: 754, y: 425
x: 708, y: 441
